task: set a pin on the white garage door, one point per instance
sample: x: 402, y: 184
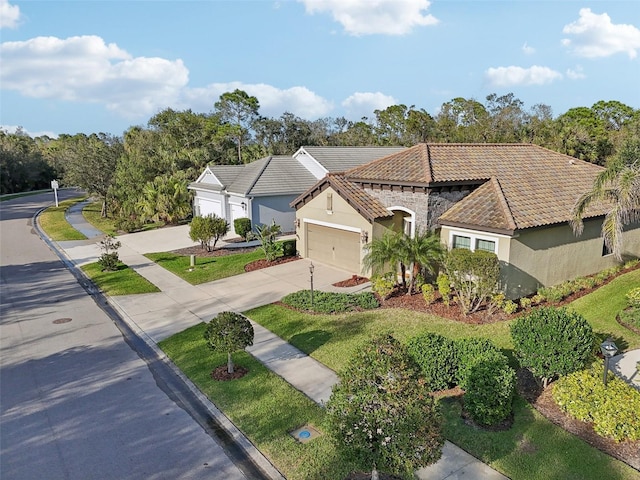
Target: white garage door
x: 209, y: 207
x: 340, y: 248
x: 236, y: 212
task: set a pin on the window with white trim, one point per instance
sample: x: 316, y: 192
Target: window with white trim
x: 473, y: 242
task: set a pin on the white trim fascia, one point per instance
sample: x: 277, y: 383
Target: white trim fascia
x: 321, y: 167
x: 478, y: 233
x: 203, y: 174
x: 332, y: 225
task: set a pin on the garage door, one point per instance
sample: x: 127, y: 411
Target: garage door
x: 333, y: 246
x: 209, y: 207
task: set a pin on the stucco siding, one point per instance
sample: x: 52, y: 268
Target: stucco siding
x: 552, y: 255
x: 341, y: 216
x: 276, y: 208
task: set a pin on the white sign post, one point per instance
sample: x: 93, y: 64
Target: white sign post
x: 54, y: 185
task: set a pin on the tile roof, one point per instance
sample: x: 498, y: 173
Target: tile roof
x: 538, y: 186
x: 339, y: 159
x: 275, y: 175
x: 368, y: 206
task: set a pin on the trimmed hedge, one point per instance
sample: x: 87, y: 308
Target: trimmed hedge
x: 471, y: 351
x: 552, y: 341
x: 330, y: 302
x: 614, y: 409
x: 437, y: 359
x: 490, y: 390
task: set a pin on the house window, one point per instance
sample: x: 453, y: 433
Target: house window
x: 473, y: 242
x: 461, y: 242
x: 329, y: 202
x: 408, y: 226
x: 606, y: 250
x: 486, y: 245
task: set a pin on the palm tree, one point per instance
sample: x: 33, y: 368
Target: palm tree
x: 383, y: 251
x: 619, y: 186
x: 423, y: 251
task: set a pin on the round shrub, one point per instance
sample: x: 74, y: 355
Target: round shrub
x: 242, y: 226
x: 469, y: 352
x: 436, y: 356
x: 428, y: 293
x: 383, y: 285
x: 490, y: 389
x: 552, y: 341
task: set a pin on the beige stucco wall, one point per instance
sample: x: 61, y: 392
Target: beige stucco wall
x: 343, y: 216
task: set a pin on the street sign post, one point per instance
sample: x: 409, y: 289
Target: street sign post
x: 54, y: 185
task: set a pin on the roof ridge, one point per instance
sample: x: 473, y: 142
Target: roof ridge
x: 267, y: 160
x: 426, y: 163
x: 503, y: 202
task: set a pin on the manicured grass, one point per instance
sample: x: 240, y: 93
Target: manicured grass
x: 262, y: 405
x: 601, y: 307
x: 124, y: 281
x: 533, y: 448
x: 93, y: 214
x: 54, y: 224
x: 207, y: 269
x: 333, y: 339
x: 265, y: 407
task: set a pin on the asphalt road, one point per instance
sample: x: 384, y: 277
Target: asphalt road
x: 76, y: 400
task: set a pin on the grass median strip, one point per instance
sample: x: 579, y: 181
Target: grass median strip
x: 207, y: 269
x: 124, y: 281
x: 93, y: 214
x: 55, y: 225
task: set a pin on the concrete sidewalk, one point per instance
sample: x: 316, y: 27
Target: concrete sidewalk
x: 180, y: 305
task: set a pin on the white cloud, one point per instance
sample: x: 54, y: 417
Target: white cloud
x: 528, y: 49
x: 15, y: 128
x: 595, y: 36
x: 512, y: 76
x: 274, y: 101
x: 362, y: 104
x: 9, y: 14
x: 86, y: 69
x: 367, y: 17
x: 575, y: 74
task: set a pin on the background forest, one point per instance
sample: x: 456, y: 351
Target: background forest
x: 143, y: 175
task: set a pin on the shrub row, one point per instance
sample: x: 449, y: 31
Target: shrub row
x: 474, y: 364
x: 561, y: 291
x: 330, y: 302
x: 614, y: 409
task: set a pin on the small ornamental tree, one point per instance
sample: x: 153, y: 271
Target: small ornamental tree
x: 380, y: 415
x: 473, y: 275
x: 207, y: 229
x: 229, y: 332
x: 552, y: 341
x: 242, y: 226
x: 109, y: 259
x: 267, y: 235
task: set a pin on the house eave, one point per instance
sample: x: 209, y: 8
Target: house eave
x: 480, y: 228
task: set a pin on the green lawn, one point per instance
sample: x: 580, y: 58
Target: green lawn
x: 54, y: 224
x: 207, y: 269
x: 262, y: 405
x: 93, y: 214
x: 601, y: 307
x: 124, y: 281
x: 533, y: 449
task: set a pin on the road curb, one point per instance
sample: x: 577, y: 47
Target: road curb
x: 114, y: 309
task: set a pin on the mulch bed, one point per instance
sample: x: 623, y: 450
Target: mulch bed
x: 221, y: 252
x: 258, y: 264
x: 542, y: 400
x: 354, y: 281
x: 221, y: 373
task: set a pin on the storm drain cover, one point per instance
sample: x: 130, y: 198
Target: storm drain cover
x: 58, y: 321
x: 305, y: 433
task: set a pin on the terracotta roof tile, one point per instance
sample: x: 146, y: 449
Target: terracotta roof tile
x: 538, y: 186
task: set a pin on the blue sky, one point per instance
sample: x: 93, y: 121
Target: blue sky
x: 103, y: 66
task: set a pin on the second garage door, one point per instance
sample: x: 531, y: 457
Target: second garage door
x: 340, y: 248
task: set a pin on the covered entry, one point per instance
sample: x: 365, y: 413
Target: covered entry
x: 334, y: 246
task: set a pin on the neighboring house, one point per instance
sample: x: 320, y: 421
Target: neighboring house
x: 263, y: 190
x: 511, y: 199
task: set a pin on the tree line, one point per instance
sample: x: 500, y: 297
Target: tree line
x: 143, y: 175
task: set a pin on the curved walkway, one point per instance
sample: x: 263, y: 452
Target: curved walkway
x: 186, y: 305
